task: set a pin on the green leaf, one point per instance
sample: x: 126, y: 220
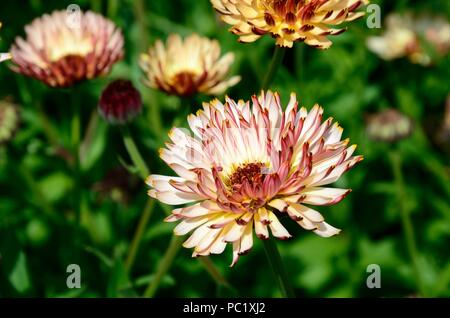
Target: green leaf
x: 19, y: 277
x: 55, y: 186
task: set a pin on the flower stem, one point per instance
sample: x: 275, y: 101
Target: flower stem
x: 277, y: 58
x: 213, y: 271
x: 275, y: 261
x: 89, y: 135
x: 272, y: 253
x: 143, y: 221
x: 408, y: 228
x: 134, y: 153
x: 76, y: 136
x: 164, y: 265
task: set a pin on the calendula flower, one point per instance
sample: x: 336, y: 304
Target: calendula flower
x: 390, y: 125
x: 9, y: 121
x: 120, y: 102
x: 412, y: 37
x: 185, y: 67
x: 246, y: 166
x: 288, y: 21
x: 60, y: 51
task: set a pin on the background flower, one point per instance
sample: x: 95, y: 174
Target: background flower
x: 288, y: 21
x: 120, y: 102
x: 247, y: 164
x: 61, y: 52
x: 413, y: 36
x: 185, y: 67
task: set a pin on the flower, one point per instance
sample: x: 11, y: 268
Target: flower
x: 185, y: 67
x: 120, y: 102
x: 59, y: 52
x: 413, y: 37
x: 9, y: 121
x: 390, y: 125
x: 288, y: 21
x: 248, y: 165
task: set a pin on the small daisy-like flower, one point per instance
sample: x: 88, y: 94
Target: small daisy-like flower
x: 9, y: 121
x: 120, y: 102
x: 246, y: 166
x: 390, y: 125
x: 61, y: 52
x: 412, y: 37
x: 288, y: 21
x: 189, y: 66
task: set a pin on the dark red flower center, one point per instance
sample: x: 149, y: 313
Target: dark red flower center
x: 185, y: 83
x: 249, y: 172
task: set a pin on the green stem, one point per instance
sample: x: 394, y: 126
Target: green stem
x: 408, y: 227
x: 213, y: 271
x: 272, y: 253
x: 113, y: 6
x: 275, y: 261
x: 140, y: 14
x: 143, y: 221
x: 134, y: 153
x: 277, y: 59
x: 164, y: 265
x: 76, y: 136
x: 89, y: 135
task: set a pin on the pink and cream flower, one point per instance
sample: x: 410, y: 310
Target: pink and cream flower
x: 60, y: 49
x: 248, y: 164
x: 288, y: 21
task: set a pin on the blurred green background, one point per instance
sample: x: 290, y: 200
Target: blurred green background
x: 37, y: 237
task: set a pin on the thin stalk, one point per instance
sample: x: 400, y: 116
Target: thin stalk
x: 134, y: 153
x: 270, y: 247
x: 142, y: 224
x: 213, y: 271
x: 164, y: 265
x: 89, y: 135
x: 76, y: 137
x: 408, y: 227
x: 276, y: 263
x: 277, y: 59
x: 113, y: 6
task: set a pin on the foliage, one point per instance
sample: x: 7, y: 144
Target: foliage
x: 37, y: 237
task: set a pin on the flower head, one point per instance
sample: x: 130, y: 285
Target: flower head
x: 246, y: 166
x: 185, y: 67
x: 390, y: 125
x: 59, y: 52
x: 288, y: 21
x: 9, y: 121
x: 120, y: 102
x: 412, y: 37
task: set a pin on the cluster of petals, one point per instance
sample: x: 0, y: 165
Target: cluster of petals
x: 62, y: 49
x: 288, y: 21
x: 248, y: 164
x: 188, y: 66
